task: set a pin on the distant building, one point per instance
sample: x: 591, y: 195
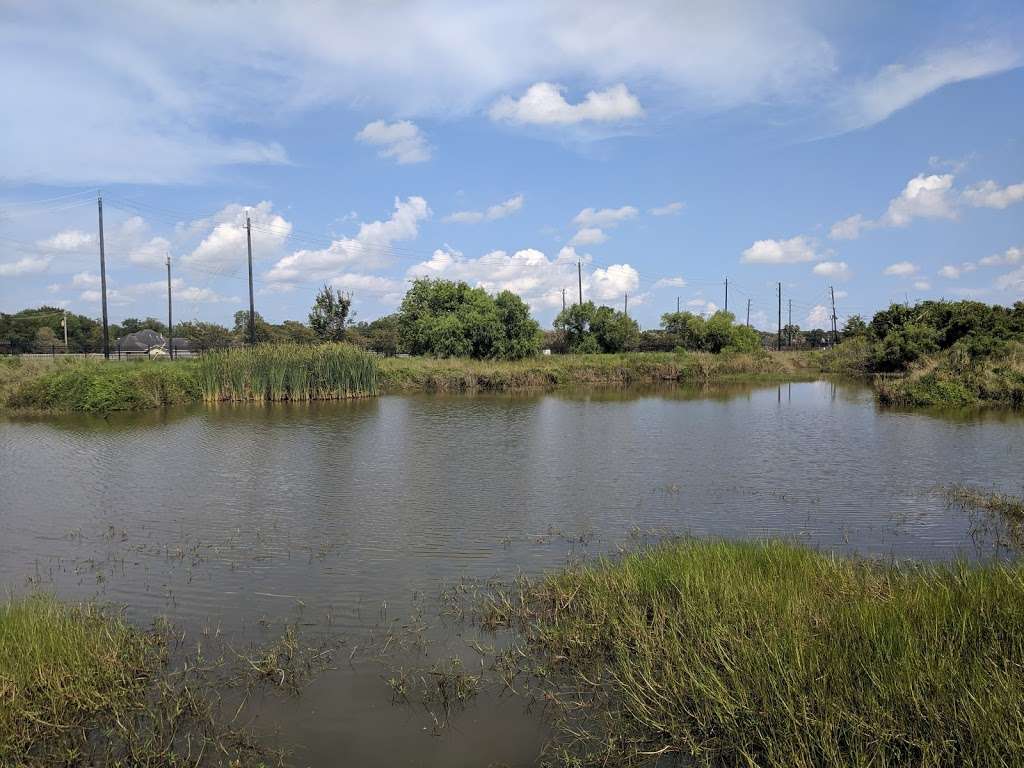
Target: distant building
x: 147, y: 339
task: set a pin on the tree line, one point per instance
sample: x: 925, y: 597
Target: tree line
x: 443, y: 318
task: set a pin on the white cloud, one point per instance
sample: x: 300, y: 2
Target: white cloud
x: 84, y: 279
x: 68, y: 240
x: 819, y: 317
x: 953, y: 272
x: 923, y: 197
x: 922, y: 285
x: 589, y: 236
x: 355, y: 282
x: 28, y: 265
x: 370, y: 248
x: 849, y: 228
x: 401, y: 140
x: 988, y: 194
x: 898, y: 85
x: 544, y: 104
x: 533, y: 275
x: 494, y: 212
x: 1011, y: 281
x: 613, y: 282
x: 837, y: 269
x: 707, y: 308
x: 796, y: 249
x: 671, y: 209
x: 606, y: 217
x: 900, y: 269
x: 1010, y: 256
x: 226, y: 244
x: 670, y: 282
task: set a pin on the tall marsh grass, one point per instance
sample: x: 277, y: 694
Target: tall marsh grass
x: 770, y: 654
x: 287, y: 372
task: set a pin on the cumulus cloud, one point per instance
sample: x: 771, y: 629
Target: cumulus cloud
x: 226, y: 243
x: 922, y: 285
x: 544, y: 104
x: 670, y: 209
x: 925, y: 197
x: 819, y: 317
x: 589, y: 236
x: 837, y: 269
x: 68, y: 240
x: 1010, y: 256
x: 85, y: 279
x: 988, y: 194
x: 670, y: 282
x: 900, y: 269
x: 1011, y: 281
x: 376, y: 284
x: 370, y: 247
x: 494, y: 212
x: 792, y: 251
x: 849, y: 228
x: 899, y: 85
x: 27, y: 265
x: 401, y: 140
x: 605, y: 217
x: 954, y: 271
x: 531, y: 274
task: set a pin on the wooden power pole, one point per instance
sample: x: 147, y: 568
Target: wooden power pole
x: 252, y: 305
x: 103, y: 281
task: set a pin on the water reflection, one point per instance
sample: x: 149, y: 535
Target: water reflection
x: 321, y: 512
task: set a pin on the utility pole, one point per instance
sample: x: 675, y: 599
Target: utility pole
x: 677, y: 305
x: 563, y: 299
x: 170, y: 317
x: 252, y: 306
x: 778, y: 340
x: 789, y: 328
x: 64, y: 322
x: 103, y: 281
x: 835, y: 327
x: 579, y: 274
x: 727, y: 294
x: 748, y: 313
x: 625, y: 304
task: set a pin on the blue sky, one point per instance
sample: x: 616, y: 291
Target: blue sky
x: 874, y: 147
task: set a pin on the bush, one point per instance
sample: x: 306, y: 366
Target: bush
x: 441, y: 318
x: 589, y: 328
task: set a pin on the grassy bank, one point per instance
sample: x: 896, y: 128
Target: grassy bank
x: 769, y: 654
x: 79, y: 686
x: 954, y: 378
x: 430, y: 374
x: 264, y: 373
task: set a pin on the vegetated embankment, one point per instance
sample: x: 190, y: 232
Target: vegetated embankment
x: 459, y: 374
x: 771, y: 654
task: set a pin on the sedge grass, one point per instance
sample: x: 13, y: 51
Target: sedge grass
x: 270, y: 372
x: 717, y: 653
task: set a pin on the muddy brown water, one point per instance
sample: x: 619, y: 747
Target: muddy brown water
x: 345, y: 516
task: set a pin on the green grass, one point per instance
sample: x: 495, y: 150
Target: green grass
x: 98, y: 386
x: 287, y: 372
x: 954, y: 379
x: 79, y: 686
x: 66, y: 672
x: 460, y: 374
x: 770, y: 654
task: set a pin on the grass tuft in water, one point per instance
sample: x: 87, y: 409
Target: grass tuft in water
x: 769, y: 654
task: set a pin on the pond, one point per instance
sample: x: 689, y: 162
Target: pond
x: 340, y: 516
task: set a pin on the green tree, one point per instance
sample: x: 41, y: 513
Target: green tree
x: 854, y: 327
x: 588, y: 328
x: 46, y: 339
x: 329, y: 314
x: 264, y: 330
x: 202, y: 336
x: 294, y: 332
x: 450, y: 319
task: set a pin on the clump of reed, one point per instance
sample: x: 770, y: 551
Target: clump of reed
x: 719, y: 653
x: 269, y: 372
x: 1004, y: 504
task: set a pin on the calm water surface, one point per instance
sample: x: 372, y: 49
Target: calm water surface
x: 246, y: 517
